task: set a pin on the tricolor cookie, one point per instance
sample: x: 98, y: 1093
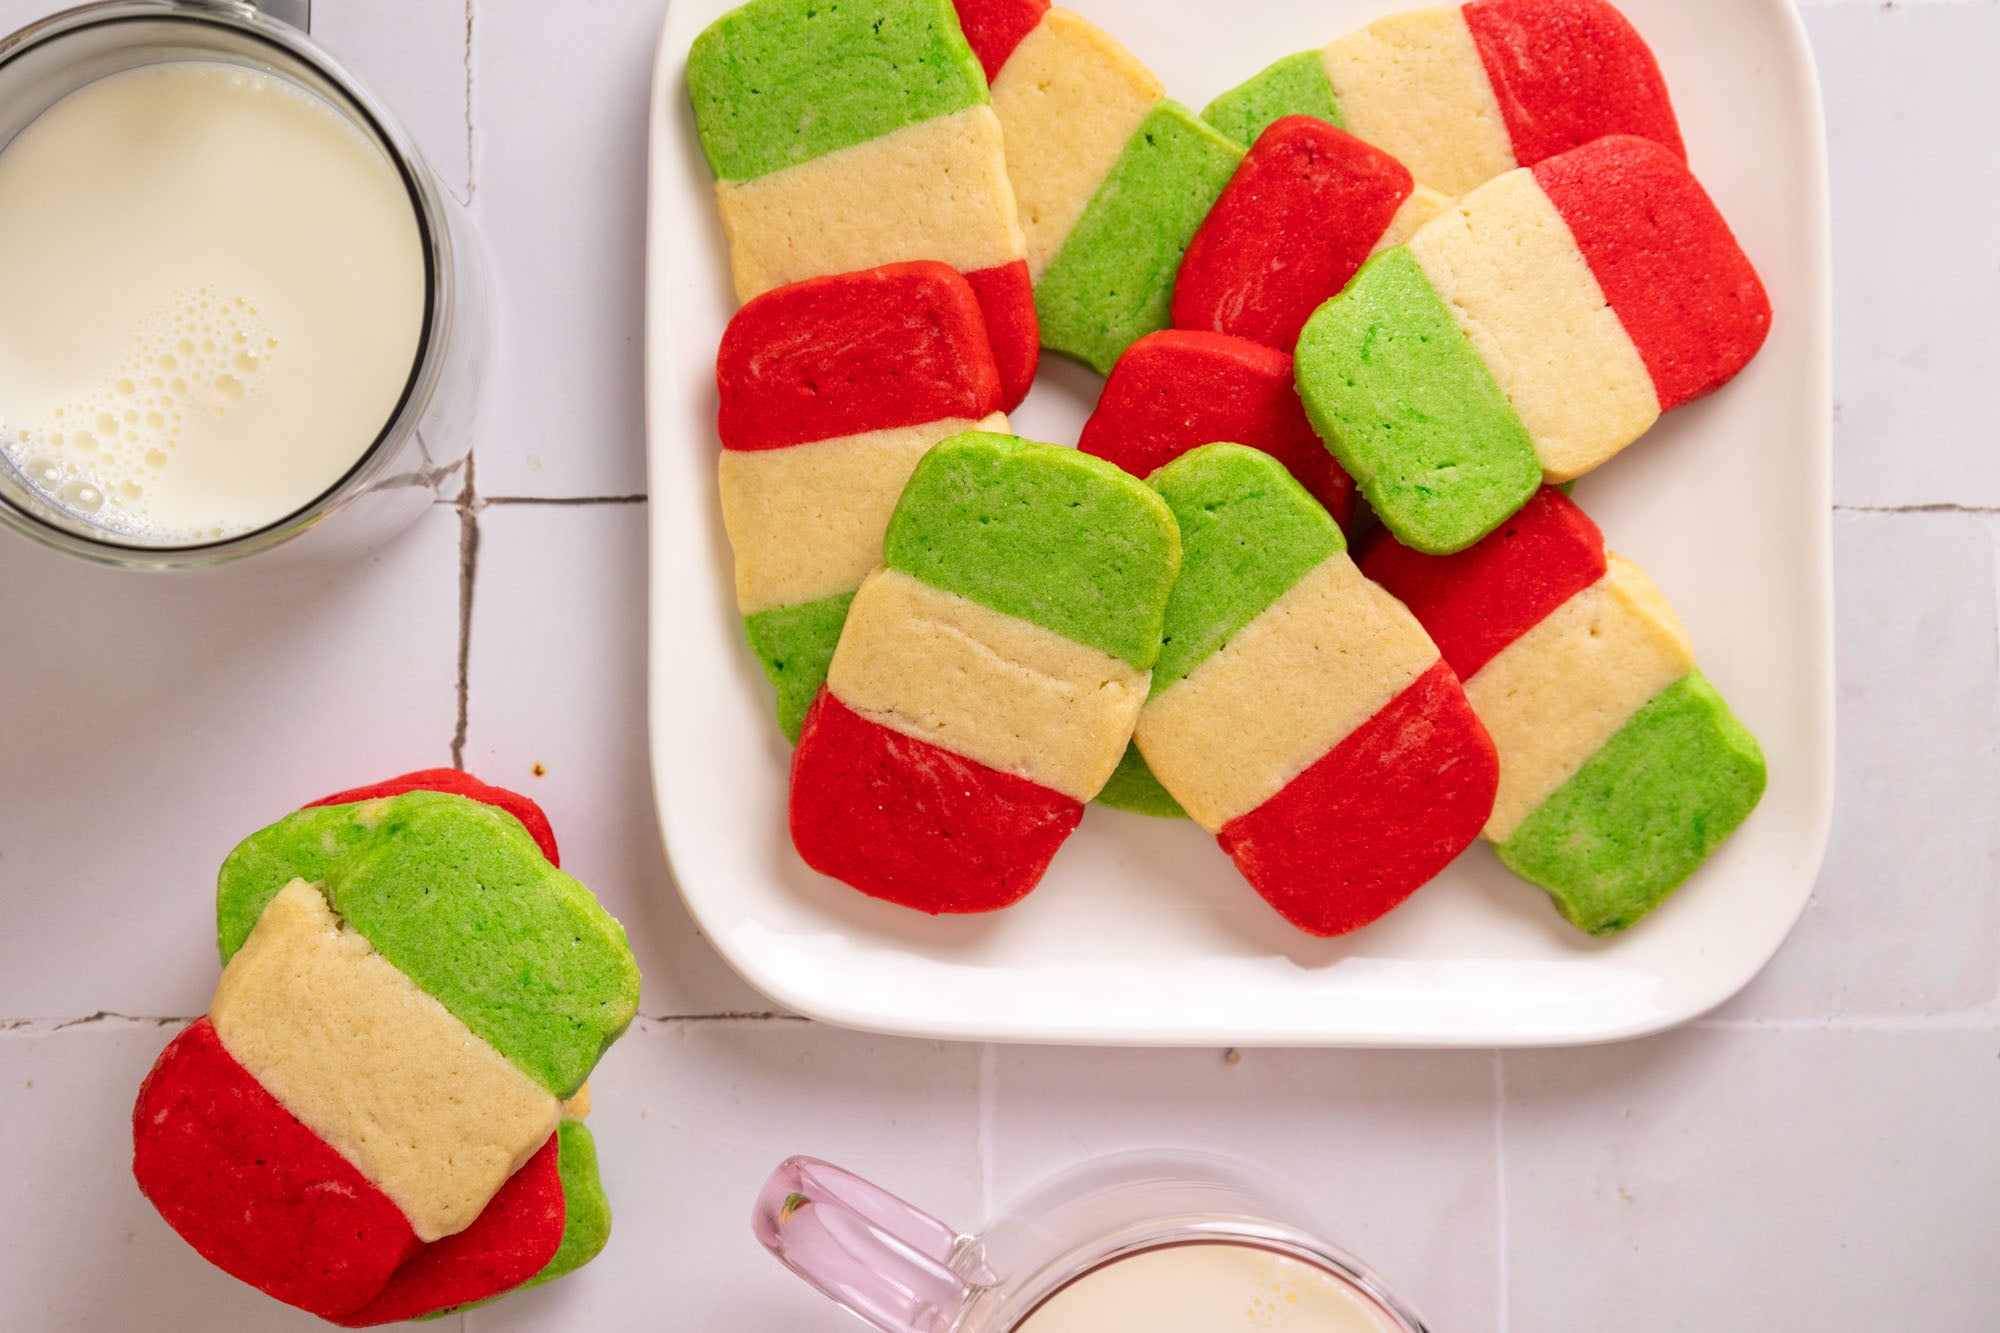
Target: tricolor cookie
x: 1460, y: 94
x: 380, y: 1116
x: 1528, y: 333
x: 988, y: 676
x: 1298, y: 711
x: 1621, y: 768
x: 1306, y: 208
x: 1111, y: 178
x: 848, y: 135
x: 830, y: 390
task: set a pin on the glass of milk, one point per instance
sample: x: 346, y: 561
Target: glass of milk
x: 1134, y: 1243
x: 237, y: 309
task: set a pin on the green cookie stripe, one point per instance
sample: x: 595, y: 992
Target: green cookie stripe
x: 1112, y: 281
x: 457, y: 896
x: 1294, y: 86
x: 1398, y: 393
x: 1248, y: 533
x: 1644, y: 811
x: 795, y: 645
x: 780, y: 82
x: 1070, y: 542
x: 1134, y: 788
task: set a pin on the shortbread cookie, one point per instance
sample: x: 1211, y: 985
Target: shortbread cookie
x: 369, y: 1123
x: 1174, y: 391
x: 1528, y: 333
x: 1111, y: 178
x: 1461, y: 94
x: 1621, y: 768
x: 1307, y: 206
x: 988, y: 675
x: 1297, y: 711
x: 830, y: 390
x: 846, y: 136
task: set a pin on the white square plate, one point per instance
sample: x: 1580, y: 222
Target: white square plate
x: 1142, y: 931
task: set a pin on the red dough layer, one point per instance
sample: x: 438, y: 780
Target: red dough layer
x: 1682, y: 286
x: 454, y: 783
x: 993, y: 28
x: 511, y: 1240
x: 1175, y: 390
x: 892, y: 346
x: 1297, y: 220
x: 1566, y: 72
x: 1478, y: 601
x: 1007, y: 297
x: 1376, y: 818
x: 258, y: 1194
x: 912, y: 823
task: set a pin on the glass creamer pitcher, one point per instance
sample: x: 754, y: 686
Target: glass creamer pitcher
x: 1120, y: 1242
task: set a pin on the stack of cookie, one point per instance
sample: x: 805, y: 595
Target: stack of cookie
x: 1442, y: 265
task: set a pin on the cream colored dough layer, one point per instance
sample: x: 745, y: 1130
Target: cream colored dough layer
x: 1507, y: 265
x: 934, y: 190
x: 1423, y: 204
x: 1554, y: 696
x: 806, y: 522
x: 392, y: 1081
x: 1069, y: 98
x: 1312, y: 667
x: 997, y: 689
x: 1413, y: 85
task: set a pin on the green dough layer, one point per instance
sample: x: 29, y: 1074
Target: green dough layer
x: 780, y: 82
x: 1112, y: 281
x: 1644, y: 811
x: 1396, y: 390
x: 1248, y: 533
x: 795, y: 644
x: 587, y: 1213
x: 459, y: 898
x: 1133, y: 787
x: 1294, y: 86
x: 1053, y: 536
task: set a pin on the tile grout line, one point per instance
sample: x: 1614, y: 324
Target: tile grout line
x: 471, y: 157
x: 1500, y: 1302
x: 1979, y: 1018
x: 1938, y: 507
x: 989, y: 1073
x: 468, y: 568
x: 637, y: 499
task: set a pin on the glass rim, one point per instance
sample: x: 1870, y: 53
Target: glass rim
x: 434, y: 238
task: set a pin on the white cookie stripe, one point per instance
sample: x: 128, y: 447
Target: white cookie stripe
x: 1413, y: 85
x: 1423, y: 204
x: 433, y: 1116
x: 1313, y: 666
x: 1506, y: 263
x: 1554, y: 696
x: 1070, y: 99
x: 925, y: 191
x: 806, y: 521
x: 994, y: 688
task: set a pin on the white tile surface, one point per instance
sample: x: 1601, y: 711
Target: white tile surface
x: 155, y: 720
x: 414, y: 57
x: 1754, y: 1180
x: 558, y: 679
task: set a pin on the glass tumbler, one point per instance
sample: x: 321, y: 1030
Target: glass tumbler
x: 429, y: 432
x: 903, y: 1271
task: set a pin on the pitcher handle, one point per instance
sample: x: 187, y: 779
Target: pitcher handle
x: 862, y: 1247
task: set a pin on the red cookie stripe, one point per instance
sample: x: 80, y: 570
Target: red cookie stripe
x: 454, y: 783
x: 1298, y: 219
x: 1681, y: 285
x: 511, y: 1240
x: 258, y: 1194
x: 1176, y: 390
x: 994, y: 28
x: 1381, y: 814
x: 1007, y: 296
x: 913, y: 823
x: 892, y: 346
x: 1566, y: 72
x: 1478, y: 601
